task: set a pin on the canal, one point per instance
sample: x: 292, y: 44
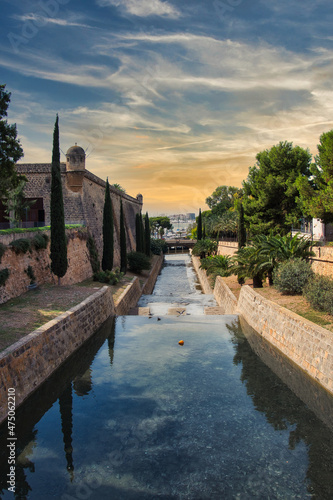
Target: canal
x: 135, y: 415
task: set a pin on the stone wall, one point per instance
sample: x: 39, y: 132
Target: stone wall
x: 129, y: 297
x: 149, y: 284
x: 306, y: 344
x: 323, y: 261
x: 227, y: 248
x: 79, y: 267
x: 201, y: 273
x: 85, y: 204
x: 224, y: 296
x: 26, y: 364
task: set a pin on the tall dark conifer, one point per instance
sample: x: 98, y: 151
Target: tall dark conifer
x: 147, y: 235
x: 241, y: 227
x: 199, y: 227
x: 107, y: 260
x: 138, y: 238
x: 123, y: 248
x: 58, y: 246
x: 142, y: 234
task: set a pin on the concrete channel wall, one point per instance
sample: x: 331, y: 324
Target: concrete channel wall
x: 306, y: 344
x: 26, y: 364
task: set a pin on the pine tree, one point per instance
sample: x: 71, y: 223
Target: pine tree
x: 107, y: 260
x: 58, y: 247
x: 138, y: 238
x: 199, y: 226
x: 123, y: 247
x: 147, y: 235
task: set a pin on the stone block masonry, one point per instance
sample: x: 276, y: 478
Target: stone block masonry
x: 26, y: 364
x: 306, y: 344
x: 84, y: 202
x: 79, y: 267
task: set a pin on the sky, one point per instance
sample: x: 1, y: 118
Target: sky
x: 169, y: 98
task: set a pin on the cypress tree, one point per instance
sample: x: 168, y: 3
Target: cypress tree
x: 58, y: 245
x: 147, y: 235
x: 199, y: 227
x: 107, y: 260
x: 123, y: 248
x: 142, y: 234
x: 138, y: 233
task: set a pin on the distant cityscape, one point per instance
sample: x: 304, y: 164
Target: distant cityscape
x: 180, y: 224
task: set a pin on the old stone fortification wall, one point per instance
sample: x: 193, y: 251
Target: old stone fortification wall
x: 308, y: 345
x: 27, y: 363
x: 84, y: 206
x: 79, y: 267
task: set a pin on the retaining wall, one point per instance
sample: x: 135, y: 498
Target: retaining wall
x: 29, y: 362
x: 224, y: 296
x: 148, y: 286
x: 129, y: 297
x: 308, y: 345
x: 202, y: 275
x: 227, y: 248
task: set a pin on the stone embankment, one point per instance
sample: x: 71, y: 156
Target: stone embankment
x: 308, y: 345
x: 26, y: 364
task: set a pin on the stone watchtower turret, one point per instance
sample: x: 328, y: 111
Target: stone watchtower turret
x: 75, y: 167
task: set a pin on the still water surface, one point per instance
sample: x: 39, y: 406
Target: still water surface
x: 133, y: 415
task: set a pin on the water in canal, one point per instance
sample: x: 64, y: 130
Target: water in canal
x: 134, y: 415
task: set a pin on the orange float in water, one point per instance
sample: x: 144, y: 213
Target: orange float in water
x: 181, y: 342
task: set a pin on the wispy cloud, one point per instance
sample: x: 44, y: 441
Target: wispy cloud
x: 144, y: 8
x: 40, y: 20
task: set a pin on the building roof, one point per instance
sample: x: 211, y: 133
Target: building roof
x: 76, y: 150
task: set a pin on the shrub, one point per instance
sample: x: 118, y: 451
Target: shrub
x: 291, y: 276
x: 110, y: 277
x: 31, y: 274
x: 158, y: 246
x: 93, y: 254
x: 22, y: 245
x: 319, y: 293
x: 4, y: 275
x: 138, y: 261
x: 40, y: 241
x: 204, y: 247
